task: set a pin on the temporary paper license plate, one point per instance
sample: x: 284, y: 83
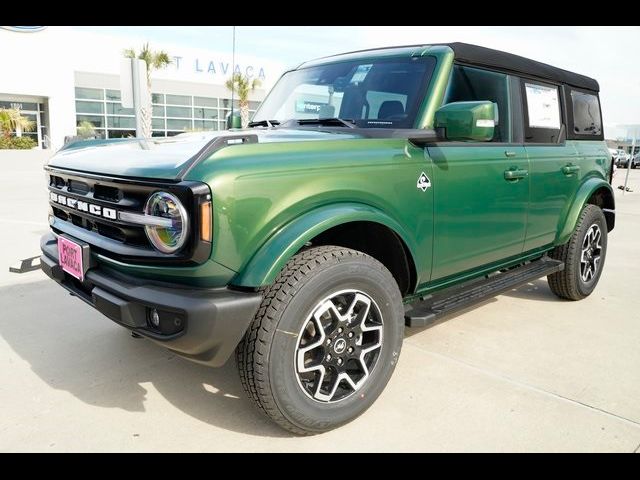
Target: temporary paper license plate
x: 70, y: 257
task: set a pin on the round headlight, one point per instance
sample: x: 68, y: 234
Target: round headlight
x: 164, y: 238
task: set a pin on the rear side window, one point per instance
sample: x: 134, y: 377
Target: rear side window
x: 475, y: 84
x: 542, y: 114
x: 586, y: 114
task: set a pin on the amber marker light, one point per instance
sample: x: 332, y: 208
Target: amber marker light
x: 206, y: 220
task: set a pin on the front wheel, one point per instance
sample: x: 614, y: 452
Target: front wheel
x: 583, y: 256
x: 325, y: 340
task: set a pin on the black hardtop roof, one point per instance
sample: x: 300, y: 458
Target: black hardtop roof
x: 476, y: 55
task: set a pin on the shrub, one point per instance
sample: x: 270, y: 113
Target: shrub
x: 17, y: 143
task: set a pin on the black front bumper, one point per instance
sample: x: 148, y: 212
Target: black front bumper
x: 203, y: 325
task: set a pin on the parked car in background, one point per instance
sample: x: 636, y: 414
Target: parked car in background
x: 614, y: 154
x: 623, y: 161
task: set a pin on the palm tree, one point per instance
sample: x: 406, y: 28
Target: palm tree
x: 155, y: 60
x: 11, y: 119
x: 86, y: 129
x: 242, y: 86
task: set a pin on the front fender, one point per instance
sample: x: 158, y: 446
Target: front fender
x: 585, y: 192
x: 272, y: 256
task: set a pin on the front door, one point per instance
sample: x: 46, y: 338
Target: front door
x: 481, y: 198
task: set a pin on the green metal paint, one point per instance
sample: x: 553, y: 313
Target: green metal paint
x: 260, y: 189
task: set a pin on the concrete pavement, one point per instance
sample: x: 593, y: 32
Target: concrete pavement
x: 521, y: 372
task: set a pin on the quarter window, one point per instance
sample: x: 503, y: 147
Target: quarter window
x: 586, y: 114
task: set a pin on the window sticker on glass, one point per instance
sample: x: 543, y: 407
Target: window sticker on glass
x: 361, y: 73
x: 543, y: 106
x: 305, y: 106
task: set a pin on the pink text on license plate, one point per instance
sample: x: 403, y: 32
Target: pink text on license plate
x: 70, y: 257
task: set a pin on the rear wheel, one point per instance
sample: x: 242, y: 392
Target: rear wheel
x: 583, y: 256
x: 325, y: 340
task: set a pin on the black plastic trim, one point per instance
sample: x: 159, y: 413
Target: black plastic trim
x: 215, y: 319
x: 432, y: 308
x: 190, y: 193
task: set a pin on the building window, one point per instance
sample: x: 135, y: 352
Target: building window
x: 96, y: 121
x: 180, y: 112
x: 174, y: 124
x: 205, y: 102
x: 89, y: 107
x: 178, y: 100
x: 113, y: 95
x: 89, y: 93
x: 208, y: 113
x: 171, y: 115
x: 122, y: 133
x: 205, y: 125
x: 118, y: 109
x: 121, y: 122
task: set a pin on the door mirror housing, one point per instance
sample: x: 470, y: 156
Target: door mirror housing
x: 467, y: 121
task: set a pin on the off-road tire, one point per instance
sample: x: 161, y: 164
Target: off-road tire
x: 568, y: 283
x: 265, y: 356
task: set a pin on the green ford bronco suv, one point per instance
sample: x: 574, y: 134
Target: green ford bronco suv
x: 373, y: 190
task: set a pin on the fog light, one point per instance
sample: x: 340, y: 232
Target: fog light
x: 155, y: 318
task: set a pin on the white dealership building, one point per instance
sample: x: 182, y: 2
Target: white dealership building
x: 59, y: 77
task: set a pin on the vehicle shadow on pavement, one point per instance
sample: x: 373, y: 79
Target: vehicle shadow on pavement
x: 534, y: 290
x: 71, y: 347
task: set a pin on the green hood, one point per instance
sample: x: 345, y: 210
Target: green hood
x: 163, y: 158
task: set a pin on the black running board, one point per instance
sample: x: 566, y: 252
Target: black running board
x: 432, y: 307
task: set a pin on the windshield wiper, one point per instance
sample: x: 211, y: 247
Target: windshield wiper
x: 264, y: 123
x: 327, y: 121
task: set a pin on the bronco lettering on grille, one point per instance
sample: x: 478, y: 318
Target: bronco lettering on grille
x: 97, y: 210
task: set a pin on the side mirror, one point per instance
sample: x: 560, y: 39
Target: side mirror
x: 234, y: 120
x: 467, y: 121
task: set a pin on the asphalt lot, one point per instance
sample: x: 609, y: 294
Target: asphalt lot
x: 521, y: 372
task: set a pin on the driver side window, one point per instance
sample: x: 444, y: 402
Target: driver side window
x: 475, y: 84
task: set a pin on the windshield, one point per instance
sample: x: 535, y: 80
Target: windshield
x: 381, y: 93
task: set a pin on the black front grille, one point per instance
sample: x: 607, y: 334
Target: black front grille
x: 107, y: 234
x: 75, y: 186
x: 110, y: 194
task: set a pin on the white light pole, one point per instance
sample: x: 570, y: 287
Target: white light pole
x: 632, y: 130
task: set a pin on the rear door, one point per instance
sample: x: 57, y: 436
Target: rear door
x: 555, y: 167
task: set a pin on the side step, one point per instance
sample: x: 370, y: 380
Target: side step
x: 432, y: 307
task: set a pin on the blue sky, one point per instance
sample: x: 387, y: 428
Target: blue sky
x: 608, y: 54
